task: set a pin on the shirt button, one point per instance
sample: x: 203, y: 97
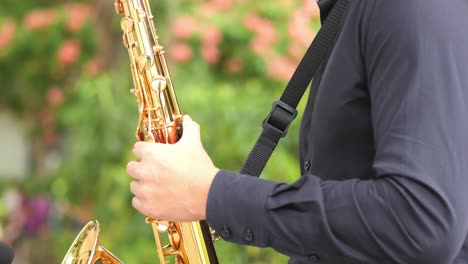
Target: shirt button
x: 248, y: 236
x: 314, y: 258
x: 307, y: 166
x: 225, y: 233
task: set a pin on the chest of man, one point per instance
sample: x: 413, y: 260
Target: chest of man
x: 336, y: 137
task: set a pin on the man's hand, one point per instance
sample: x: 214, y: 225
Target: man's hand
x: 172, y: 181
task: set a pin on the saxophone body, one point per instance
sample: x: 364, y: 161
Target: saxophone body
x: 160, y: 120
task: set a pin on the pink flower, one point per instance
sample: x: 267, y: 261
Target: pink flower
x: 265, y: 36
x: 76, y: 16
x: 281, y: 69
x: 210, y: 54
x: 252, y: 21
x: 7, y: 32
x: 55, y: 96
x: 93, y: 67
x: 260, y: 47
x: 210, y: 39
x: 221, y: 5
x: 262, y: 26
x: 211, y: 36
x: 38, y: 19
x: 69, y: 52
x: 296, y: 51
x: 311, y: 8
x: 233, y: 65
x: 207, y: 10
x: 299, y: 29
x: 268, y: 35
x: 257, y: 24
x: 180, y: 52
x: 184, y: 27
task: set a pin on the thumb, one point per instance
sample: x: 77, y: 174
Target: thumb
x: 191, y: 130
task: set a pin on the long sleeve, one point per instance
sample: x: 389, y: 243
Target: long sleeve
x: 414, y: 208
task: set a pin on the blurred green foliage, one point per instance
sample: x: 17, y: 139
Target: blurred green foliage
x: 229, y: 59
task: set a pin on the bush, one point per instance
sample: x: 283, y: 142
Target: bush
x: 230, y: 60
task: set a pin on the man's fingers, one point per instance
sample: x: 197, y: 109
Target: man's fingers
x: 139, y: 148
x: 187, y: 118
x: 137, y: 203
x: 143, y: 207
x: 142, y: 149
x: 134, y: 169
x: 149, y: 150
x: 191, y: 129
x: 134, y: 188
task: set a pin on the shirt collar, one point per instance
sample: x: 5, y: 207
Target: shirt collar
x: 325, y: 7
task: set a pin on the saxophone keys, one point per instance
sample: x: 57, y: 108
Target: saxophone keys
x: 158, y: 49
x: 174, y: 237
x: 126, y: 24
x: 118, y: 7
x: 214, y: 236
x: 144, y: 62
x: 162, y: 226
x: 159, y: 83
x: 141, y: 14
x: 127, y: 42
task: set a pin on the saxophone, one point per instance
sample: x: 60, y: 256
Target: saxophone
x: 160, y: 121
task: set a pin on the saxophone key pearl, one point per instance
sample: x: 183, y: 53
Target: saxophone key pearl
x: 126, y: 24
x: 144, y: 62
x: 159, y: 83
x: 141, y: 14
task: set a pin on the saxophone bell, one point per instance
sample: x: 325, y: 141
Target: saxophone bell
x: 87, y: 249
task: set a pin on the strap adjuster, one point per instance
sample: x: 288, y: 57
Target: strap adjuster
x: 279, y: 118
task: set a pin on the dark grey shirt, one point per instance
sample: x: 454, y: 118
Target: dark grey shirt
x: 383, y: 150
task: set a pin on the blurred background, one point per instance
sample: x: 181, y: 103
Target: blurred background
x: 67, y: 119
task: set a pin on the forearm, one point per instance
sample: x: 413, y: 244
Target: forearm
x: 365, y: 221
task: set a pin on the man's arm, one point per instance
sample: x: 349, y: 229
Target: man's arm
x: 414, y: 211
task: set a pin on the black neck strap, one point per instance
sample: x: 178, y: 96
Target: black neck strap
x: 275, y: 125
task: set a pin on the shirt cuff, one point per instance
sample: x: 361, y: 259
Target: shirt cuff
x: 236, y: 207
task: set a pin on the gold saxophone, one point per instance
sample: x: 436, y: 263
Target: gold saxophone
x: 160, y: 121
